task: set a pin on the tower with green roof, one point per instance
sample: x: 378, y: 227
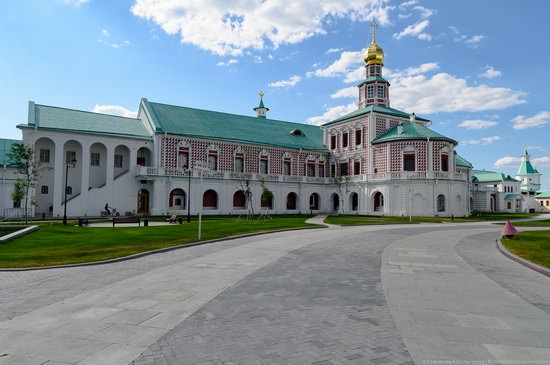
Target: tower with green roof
x: 261, y: 110
x: 528, y: 175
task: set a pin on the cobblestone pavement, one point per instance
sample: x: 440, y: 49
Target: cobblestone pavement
x: 480, y: 252
x: 322, y: 304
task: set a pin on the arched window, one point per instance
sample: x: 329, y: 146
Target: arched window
x: 177, y: 199
x: 291, y: 200
x: 378, y: 202
x: 441, y: 203
x: 314, y: 201
x: 239, y: 200
x: 335, y: 202
x: 210, y: 199
x: 44, y: 189
x: 354, y: 201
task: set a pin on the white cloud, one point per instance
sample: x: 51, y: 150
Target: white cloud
x: 425, y: 13
x: 292, y: 81
x: 229, y: 28
x: 474, y: 40
x: 443, y: 92
x: 228, y: 63
x: 477, y: 124
x: 332, y: 113
x: 348, y: 92
x: 104, y: 38
x: 482, y: 141
x: 537, y: 120
x: 414, y: 30
x: 348, y: 60
x: 541, y: 161
x: 407, y: 4
x: 490, y: 72
x: 333, y: 50
x: 75, y: 2
x: 535, y: 148
x: 114, y: 110
x: 507, y: 161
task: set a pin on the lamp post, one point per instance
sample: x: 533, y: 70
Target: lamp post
x: 188, y: 193
x: 72, y: 164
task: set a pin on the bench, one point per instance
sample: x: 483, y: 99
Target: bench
x: 126, y: 220
x: 83, y: 222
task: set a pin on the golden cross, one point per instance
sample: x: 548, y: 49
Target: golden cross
x: 373, y: 26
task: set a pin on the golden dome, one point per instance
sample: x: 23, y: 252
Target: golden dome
x: 374, y: 54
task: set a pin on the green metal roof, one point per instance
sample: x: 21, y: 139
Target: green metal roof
x: 512, y: 197
x: 376, y: 109
x: 55, y: 118
x: 374, y: 78
x: 207, y: 124
x: 461, y: 161
x: 411, y: 131
x: 544, y: 194
x: 526, y: 168
x: 5, y: 148
x: 482, y: 176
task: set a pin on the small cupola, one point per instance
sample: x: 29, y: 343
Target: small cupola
x: 261, y: 110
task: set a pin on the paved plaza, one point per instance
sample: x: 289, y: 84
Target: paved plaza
x: 355, y: 295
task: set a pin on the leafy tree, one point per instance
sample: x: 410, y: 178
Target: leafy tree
x: 18, y: 192
x: 266, y: 198
x: 24, y: 160
x: 341, y: 183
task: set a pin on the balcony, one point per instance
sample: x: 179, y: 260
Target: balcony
x: 145, y: 172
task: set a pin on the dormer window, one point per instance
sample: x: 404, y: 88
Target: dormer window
x: 297, y: 132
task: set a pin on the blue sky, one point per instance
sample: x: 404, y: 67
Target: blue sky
x: 477, y: 69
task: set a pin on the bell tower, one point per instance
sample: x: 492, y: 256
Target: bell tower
x: 374, y: 90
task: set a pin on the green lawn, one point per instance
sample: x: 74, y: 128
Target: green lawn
x: 539, y: 223
x: 533, y: 246
x: 366, y: 220
x: 54, y: 244
x: 6, y: 231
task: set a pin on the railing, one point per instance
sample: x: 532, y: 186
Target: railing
x: 145, y: 171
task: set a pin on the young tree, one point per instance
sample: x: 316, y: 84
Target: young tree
x: 244, y: 185
x: 341, y: 183
x: 18, y: 192
x: 266, y: 199
x: 24, y: 160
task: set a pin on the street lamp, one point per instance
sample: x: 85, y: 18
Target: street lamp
x: 73, y: 164
x: 188, y: 193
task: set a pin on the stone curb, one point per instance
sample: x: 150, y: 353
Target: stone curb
x: 522, y: 261
x: 152, y: 252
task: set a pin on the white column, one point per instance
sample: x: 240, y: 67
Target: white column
x: 85, y: 183
x: 110, y: 172
x: 58, y: 178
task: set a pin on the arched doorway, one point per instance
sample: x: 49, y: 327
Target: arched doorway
x: 143, y: 201
x: 314, y: 201
x: 335, y: 199
x: 458, y: 205
x: 418, y: 205
x: 378, y: 202
x: 239, y: 200
x: 472, y: 207
x: 210, y: 199
x: 291, y: 200
x: 354, y: 201
x: 493, y: 202
x: 177, y: 199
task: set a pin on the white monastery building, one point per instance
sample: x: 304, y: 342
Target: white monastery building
x: 386, y: 162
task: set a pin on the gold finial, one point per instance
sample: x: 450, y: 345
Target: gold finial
x: 261, y: 95
x: 373, y: 26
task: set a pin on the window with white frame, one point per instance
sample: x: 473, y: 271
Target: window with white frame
x: 370, y: 91
x: 441, y: 203
x: 183, y: 157
x: 264, y: 164
x: 70, y: 156
x: 287, y: 166
x: 333, y: 142
x: 357, y: 167
x: 213, y: 160
x: 44, y: 155
x: 95, y: 158
x: 358, y: 136
x: 118, y: 161
x: 239, y: 162
x: 381, y: 91
x: 321, y: 169
x: 310, y: 168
